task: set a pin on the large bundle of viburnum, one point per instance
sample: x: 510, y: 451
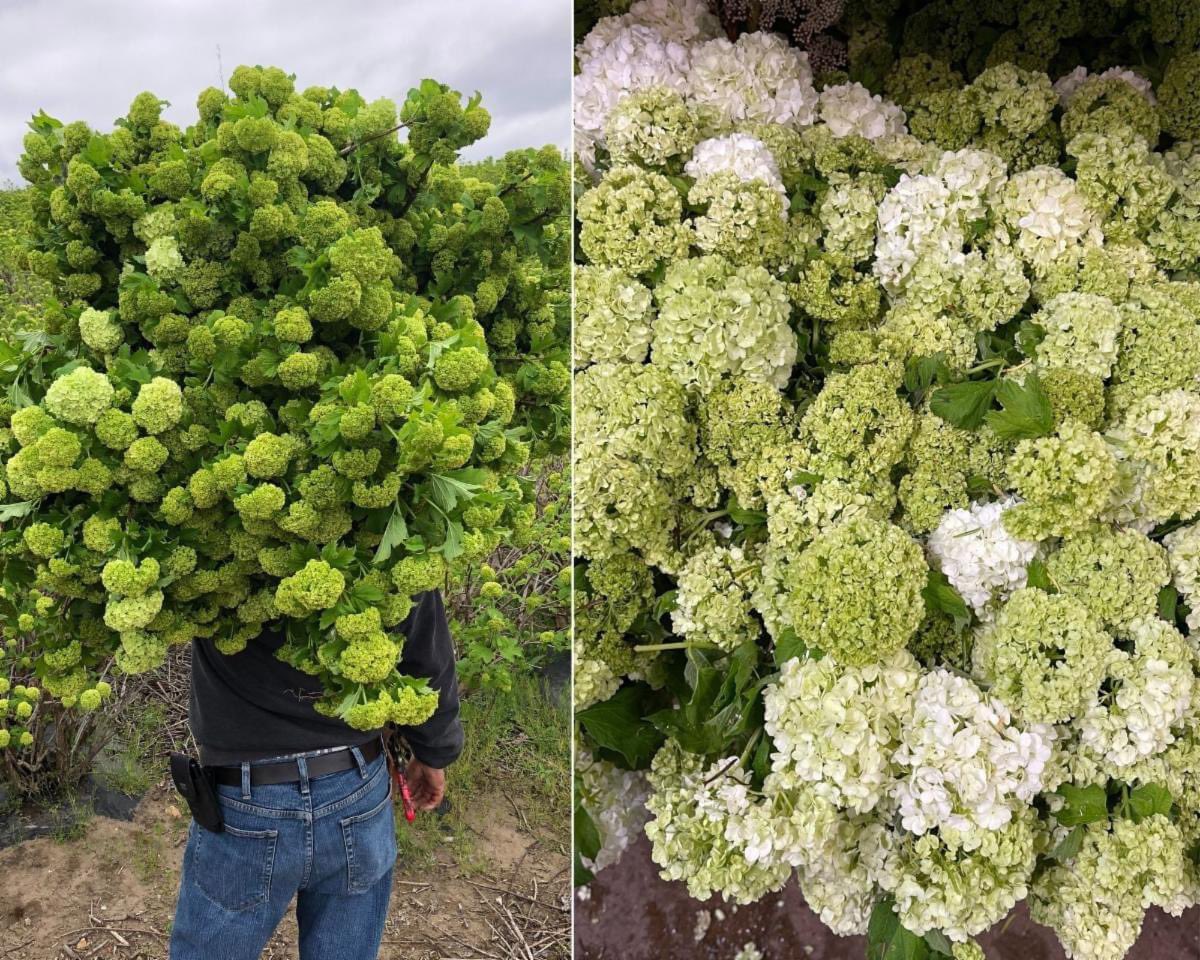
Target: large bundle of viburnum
x: 293, y: 368
x: 887, y: 477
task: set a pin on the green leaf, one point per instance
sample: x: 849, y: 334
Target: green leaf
x: 1036, y: 575
x: 14, y: 511
x: 1026, y: 412
x: 939, y: 943
x: 940, y: 595
x: 619, y: 724
x: 1168, y: 603
x: 452, y: 547
x: 446, y: 490
x: 1069, y: 846
x: 1148, y: 800
x: 887, y: 939
x: 964, y: 404
x: 788, y: 646
x: 394, y: 534
x: 587, y: 843
x: 366, y: 593
x: 921, y: 373
x: 356, y: 388
x: 1083, y: 805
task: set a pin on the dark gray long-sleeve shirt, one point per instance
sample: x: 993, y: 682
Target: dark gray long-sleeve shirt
x: 251, y: 706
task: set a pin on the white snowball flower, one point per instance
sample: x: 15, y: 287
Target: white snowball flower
x: 632, y: 58
x: 1147, y: 692
x: 925, y: 216
x: 914, y: 220
x: 681, y: 21
x: 616, y: 799
x: 962, y: 764
x: 972, y: 177
x: 758, y: 79
x: 1043, y: 215
x: 1067, y: 85
x: 851, y: 109
x: 837, y: 728
x: 740, y: 154
x: 980, y: 558
x: 837, y: 884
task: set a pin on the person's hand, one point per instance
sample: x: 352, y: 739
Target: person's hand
x: 427, y: 784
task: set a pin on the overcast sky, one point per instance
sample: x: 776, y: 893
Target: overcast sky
x: 86, y: 59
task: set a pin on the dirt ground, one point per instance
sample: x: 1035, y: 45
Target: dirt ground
x: 110, y: 892
x: 632, y: 914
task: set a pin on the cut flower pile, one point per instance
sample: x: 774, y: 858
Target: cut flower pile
x: 887, y: 484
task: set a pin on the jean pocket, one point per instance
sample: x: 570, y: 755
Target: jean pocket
x: 370, y: 845
x: 233, y: 868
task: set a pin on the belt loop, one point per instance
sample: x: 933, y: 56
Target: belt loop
x: 302, y: 766
x: 245, y: 780
x: 362, y: 764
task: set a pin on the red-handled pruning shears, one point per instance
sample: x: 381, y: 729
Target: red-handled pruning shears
x: 396, y: 762
x: 410, y: 813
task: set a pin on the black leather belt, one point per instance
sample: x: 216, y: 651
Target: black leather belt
x: 288, y: 771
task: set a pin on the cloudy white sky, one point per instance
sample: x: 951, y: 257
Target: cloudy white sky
x: 87, y: 59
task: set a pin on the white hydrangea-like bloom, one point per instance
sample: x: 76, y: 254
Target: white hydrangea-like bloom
x: 1096, y: 900
x: 914, y: 220
x: 980, y: 558
x: 760, y: 78
x: 925, y: 217
x: 1150, y: 692
x: 634, y: 57
x: 1183, y: 554
x: 838, y: 727
x: 616, y: 799
x: 740, y: 154
x: 972, y: 177
x: 850, y: 109
x: 962, y: 764
x: 680, y: 21
x: 837, y: 884
x: 163, y: 259
x: 1069, y: 83
x: 1044, y: 215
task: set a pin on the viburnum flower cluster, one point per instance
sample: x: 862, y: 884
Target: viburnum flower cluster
x: 292, y: 372
x: 888, y: 480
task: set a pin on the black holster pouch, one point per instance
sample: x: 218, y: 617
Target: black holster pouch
x: 198, y: 789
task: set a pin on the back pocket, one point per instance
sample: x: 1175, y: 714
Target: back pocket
x: 370, y: 845
x: 233, y: 868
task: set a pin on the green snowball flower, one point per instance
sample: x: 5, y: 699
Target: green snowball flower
x: 1044, y: 655
x: 317, y: 586
x: 1116, y: 574
x: 158, y: 406
x: 99, y: 331
x: 632, y: 221
x: 80, y: 396
x: 1065, y: 481
x: 855, y: 592
x: 44, y: 540
x: 268, y: 455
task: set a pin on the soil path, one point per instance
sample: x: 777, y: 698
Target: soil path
x: 110, y: 893
x: 631, y: 914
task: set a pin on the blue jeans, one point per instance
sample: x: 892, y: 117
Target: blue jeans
x: 328, y: 842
